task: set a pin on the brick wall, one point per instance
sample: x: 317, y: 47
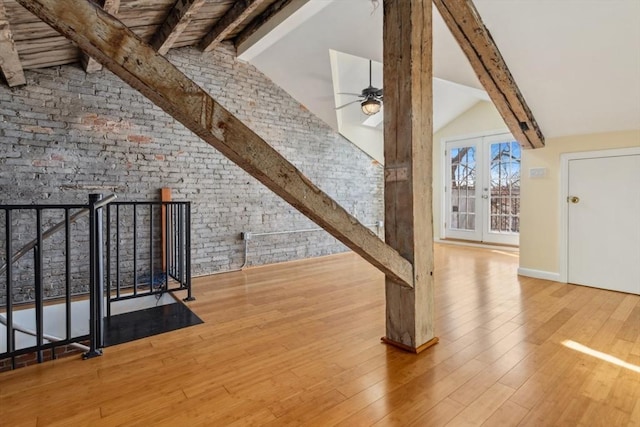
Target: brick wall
x: 29, y: 359
x: 66, y: 134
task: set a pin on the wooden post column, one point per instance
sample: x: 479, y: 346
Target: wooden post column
x: 408, y: 147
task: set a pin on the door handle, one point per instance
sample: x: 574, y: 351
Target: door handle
x: 484, y: 196
x: 573, y: 199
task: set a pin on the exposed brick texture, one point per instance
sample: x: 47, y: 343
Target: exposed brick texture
x: 28, y: 359
x: 67, y: 134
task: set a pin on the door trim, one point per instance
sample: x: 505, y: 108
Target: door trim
x: 563, y: 232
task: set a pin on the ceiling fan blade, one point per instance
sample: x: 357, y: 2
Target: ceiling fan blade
x: 347, y: 93
x: 348, y: 103
x: 379, y: 92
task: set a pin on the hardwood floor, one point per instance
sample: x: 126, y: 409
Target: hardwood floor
x: 299, y: 344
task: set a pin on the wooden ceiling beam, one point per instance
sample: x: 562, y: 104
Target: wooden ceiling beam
x: 10, y: 64
x: 476, y: 42
x: 109, y: 41
x: 234, y: 17
x: 89, y: 64
x: 260, y: 20
x: 177, y: 21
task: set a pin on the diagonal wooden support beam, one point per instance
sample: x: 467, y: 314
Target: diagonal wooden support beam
x: 10, y: 64
x: 178, y: 19
x: 476, y: 42
x: 260, y: 20
x: 138, y: 64
x: 89, y: 64
x: 235, y: 16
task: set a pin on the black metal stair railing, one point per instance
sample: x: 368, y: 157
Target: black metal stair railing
x: 30, y: 278
x: 147, y: 251
x: 141, y: 261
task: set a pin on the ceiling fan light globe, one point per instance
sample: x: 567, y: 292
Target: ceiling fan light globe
x: 370, y: 106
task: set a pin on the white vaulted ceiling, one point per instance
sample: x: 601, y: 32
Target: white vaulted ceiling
x: 577, y: 62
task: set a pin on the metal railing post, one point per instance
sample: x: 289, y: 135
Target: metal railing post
x: 187, y: 250
x: 108, y: 258
x: 135, y: 249
x: 9, y: 277
x: 67, y: 273
x: 38, y: 261
x: 96, y: 282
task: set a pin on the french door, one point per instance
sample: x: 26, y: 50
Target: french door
x: 482, y: 189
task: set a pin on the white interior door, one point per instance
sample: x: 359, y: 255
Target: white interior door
x: 603, y: 219
x: 482, y: 189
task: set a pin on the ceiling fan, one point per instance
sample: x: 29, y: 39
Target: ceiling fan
x: 371, y: 98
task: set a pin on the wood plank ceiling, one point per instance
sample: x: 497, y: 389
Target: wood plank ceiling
x: 166, y: 23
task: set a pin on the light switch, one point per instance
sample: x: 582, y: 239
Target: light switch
x: 536, y: 173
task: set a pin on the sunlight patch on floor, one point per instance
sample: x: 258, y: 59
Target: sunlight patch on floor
x: 600, y: 355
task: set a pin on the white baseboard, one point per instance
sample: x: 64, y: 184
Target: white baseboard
x: 539, y: 274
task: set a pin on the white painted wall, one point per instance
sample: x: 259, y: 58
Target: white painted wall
x: 540, y: 212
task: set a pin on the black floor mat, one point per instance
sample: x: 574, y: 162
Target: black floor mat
x: 145, y: 323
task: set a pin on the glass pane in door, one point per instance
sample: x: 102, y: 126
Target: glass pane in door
x: 463, y: 188
x: 505, y: 187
